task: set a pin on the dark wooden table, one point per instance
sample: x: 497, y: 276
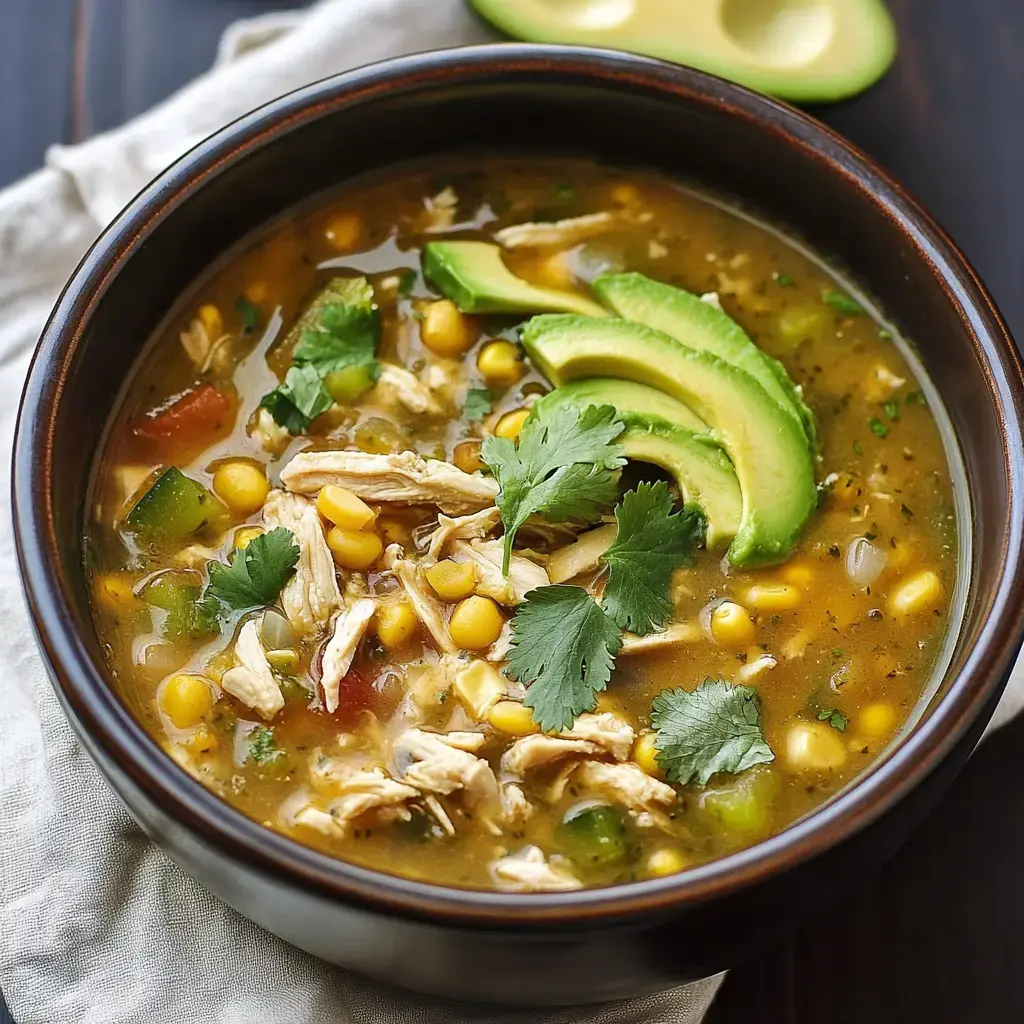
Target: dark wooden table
x: 937, y: 935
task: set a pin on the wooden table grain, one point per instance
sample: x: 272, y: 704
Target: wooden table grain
x: 936, y: 934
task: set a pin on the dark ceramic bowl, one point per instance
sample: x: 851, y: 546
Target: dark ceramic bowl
x: 547, y: 948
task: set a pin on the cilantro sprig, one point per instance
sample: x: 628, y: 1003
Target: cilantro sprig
x: 478, y: 404
x: 651, y: 542
x: 564, y: 467
x: 563, y: 649
x: 257, y: 573
x: 262, y: 746
x: 340, y: 330
x: 714, y: 728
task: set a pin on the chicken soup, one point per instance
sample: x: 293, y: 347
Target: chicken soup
x: 525, y: 526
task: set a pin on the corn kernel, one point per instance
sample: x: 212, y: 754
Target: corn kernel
x: 256, y: 292
x: 395, y: 531
x: 344, y: 509
x: 475, y: 623
x: 344, y: 231
x: 731, y: 625
x: 625, y: 194
x: 501, y: 363
x: 512, y: 718
x: 645, y: 753
x: 773, y: 597
x: 115, y: 591
x: 185, y: 698
x: 452, y: 581
x: 446, y: 331
x: 202, y: 740
x: 246, y: 535
x: 665, y: 861
x: 466, y: 457
x: 918, y: 593
x: 479, y: 686
x: 877, y: 720
x: 396, y: 624
x: 814, y: 746
x: 212, y: 321
x: 354, y: 549
x: 285, y: 661
x: 511, y: 424
x: 798, y: 573
x: 242, y: 486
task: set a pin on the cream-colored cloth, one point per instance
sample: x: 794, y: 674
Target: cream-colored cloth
x: 96, y: 925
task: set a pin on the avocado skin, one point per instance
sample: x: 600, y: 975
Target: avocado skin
x: 700, y: 325
x: 766, y: 445
x: 473, y: 275
x: 662, y: 431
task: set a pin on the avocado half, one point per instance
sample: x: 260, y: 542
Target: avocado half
x: 804, y: 50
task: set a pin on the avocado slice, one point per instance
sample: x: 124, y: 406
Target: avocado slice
x: 766, y: 445
x: 666, y: 433
x: 474, y: 276
x: 806, y: 52
x: 702, y: 326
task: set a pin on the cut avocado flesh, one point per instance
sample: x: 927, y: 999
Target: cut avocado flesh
x: 701, y: 326
x: 805, y: 50
x: 474, y: 276
x: 666, y: 433
x: 766, y: 445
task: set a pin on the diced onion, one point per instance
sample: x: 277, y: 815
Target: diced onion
x: 864, y: 562
x: 276, y: 631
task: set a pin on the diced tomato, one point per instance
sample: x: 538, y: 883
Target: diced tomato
x: 356, y: 693
x: 196, y: 416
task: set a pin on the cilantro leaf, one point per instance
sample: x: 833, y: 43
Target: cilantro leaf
x: 298, y: 401
x: 477, y: 404
x: 257, y: 573
x: 877, y: 427
x: 248, y: 312
x: 262, y: 747
x: 715, y: 728
x: 563, y: 649
x: 564, y: 466
x: 834, y: 717
x: 343, y: 331
x: 651, y: 542
x: 842, y: 303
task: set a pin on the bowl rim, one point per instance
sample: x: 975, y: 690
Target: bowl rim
x: 106, y: 725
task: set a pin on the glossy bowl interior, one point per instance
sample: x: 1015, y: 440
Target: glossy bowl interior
x: 548, y: 101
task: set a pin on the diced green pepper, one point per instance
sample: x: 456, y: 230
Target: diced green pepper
x: 594, y: 835
x: 187, y: 616
x: 743, y: 805
x: 172, y: 509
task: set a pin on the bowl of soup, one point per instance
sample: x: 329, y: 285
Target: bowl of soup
x: 524, y: 523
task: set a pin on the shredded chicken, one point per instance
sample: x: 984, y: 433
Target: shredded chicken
x: 271, y: 435
x: 442, y: 763
x: 880, y: 383
x: 252, y: 681
x: 598, y: 735
x: 566, y: 232
x: 515, y: 808
x: 408, y: 390
x: 675, y: 636
x: 351, y: 792
x: 203, y: 349
x: 401, y: 478
x: 486, y: 557
x: 472, y: 527
x: 440, y: 209
x: 754, y: 668
x: 195, y: 556
x: 528, y: 871
x: 629, y: 785
x: 311, y: 596
x: 498, y: 651
x: 582, y: 556
x: 349, y: 628
x: 427, y: 607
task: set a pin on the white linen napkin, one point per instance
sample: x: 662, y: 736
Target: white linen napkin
x: 97, y: 926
